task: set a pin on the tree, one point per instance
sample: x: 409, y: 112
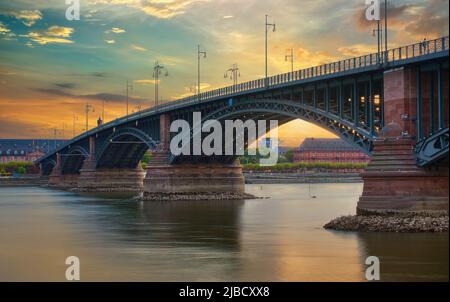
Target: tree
x: 289, y: 155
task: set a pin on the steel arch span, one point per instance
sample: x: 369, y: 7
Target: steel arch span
x: 72, y: 161
x: 124, y: 148
x: 285, y: 111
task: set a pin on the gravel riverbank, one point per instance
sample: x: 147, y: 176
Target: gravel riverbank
x: 398, y: 223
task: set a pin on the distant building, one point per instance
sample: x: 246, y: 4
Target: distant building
x: 25, y: 150
x: 329, y: 150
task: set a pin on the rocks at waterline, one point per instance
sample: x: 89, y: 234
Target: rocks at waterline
x: 398, y: 223
x: 196, y: 196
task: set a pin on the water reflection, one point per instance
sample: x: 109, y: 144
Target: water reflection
x: 408, y: 257
x: 276, y: 239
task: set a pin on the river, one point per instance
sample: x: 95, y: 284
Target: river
x: 276, y: 239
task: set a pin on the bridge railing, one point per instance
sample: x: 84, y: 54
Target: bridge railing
x: 375, y: 59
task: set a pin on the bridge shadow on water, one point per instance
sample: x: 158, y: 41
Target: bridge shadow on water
x: 203, y: 224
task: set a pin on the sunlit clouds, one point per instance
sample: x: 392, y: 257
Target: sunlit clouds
x: 51, y: 67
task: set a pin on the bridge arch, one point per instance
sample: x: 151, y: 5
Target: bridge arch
x: 124, y: 149
x: 72, y: 160
x: 285, y: 111
x: 47, y: 167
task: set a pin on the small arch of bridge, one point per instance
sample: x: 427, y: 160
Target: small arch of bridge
x: 124, y: 149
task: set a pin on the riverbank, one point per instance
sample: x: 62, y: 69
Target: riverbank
x: 300, y: 178
x: 398, y: 223
x: 31, y: 180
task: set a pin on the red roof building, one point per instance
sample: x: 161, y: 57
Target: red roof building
x: 314, y: 150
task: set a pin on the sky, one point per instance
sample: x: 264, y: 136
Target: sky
x: 51, y: 67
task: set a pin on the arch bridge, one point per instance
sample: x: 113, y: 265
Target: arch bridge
x: 392, y: 105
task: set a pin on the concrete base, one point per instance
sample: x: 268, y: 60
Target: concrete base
x: 393, y: 182
x: 63, y: 181
x: 111, y: 180
x: 190, y: 179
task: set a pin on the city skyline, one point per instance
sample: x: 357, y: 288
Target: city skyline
x: 50, y: 67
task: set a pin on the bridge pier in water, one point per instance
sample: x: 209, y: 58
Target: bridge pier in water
x: 393, y: 181
x: 58, y: 179
x: 188, y: 180
x: 94, y: 179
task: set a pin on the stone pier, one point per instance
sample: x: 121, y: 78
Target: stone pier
x: 93, y: 179
x: 393, y: 182
x: 59, y: 180
x: 190, y: 180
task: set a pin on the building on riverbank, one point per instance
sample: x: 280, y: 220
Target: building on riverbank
x: 25, y: 150
x: 314, y: 150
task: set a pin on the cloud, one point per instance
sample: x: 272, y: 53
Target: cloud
x: 163, y: 9
x: 137, y: 47
x: 3, y: 29
x: 116, y: 30
x: 357, y: 50
x: 145, y: 82
x: 54, y: 34
x: 103, y: 96
x: 66, y: 85
x: 110, y: 41
x: 28, y: 17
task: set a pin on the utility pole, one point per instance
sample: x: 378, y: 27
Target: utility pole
x: 129, y: 87
x: 379, y: 34
x: 233, y: 73
x: 289, y: 57
x: 266, y: 44
x: 386, y: 31
x: 75, y: 118
x: 156, y: 73
x: 103, y: 110
x: 88, y: 108
x: 199, y: 54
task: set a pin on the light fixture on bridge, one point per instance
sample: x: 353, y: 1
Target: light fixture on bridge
x: 157, y: 69
x: 234, y: 73
x: 199, y: 54
x: 267, y: 26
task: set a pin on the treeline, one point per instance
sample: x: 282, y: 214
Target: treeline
x: 18, y: 168
x: 328, y: 166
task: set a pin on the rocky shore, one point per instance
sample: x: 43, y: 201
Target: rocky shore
x: 196, y: 196
x: 394, y: 222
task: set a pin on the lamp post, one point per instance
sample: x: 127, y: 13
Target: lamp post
x: 75, y: 118
x: 386, y: 31
x: 199, y: 54
x: 89, y: 108
x: 233, y: 73
x: 129, y: 87
x: 379, y: 34
x: 289, y: 57
x: 156, y: 73
x: 273, y: 26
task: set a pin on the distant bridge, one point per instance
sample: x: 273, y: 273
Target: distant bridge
x: 401, y: 93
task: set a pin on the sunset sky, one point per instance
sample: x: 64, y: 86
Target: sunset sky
x: 50, y: 67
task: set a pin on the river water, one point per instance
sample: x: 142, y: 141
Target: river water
x: 276, y: 239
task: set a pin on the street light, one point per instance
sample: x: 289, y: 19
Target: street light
x: 129, y: 87
x: 199, y: 54
x: 379, y: 34
x: 386, y: 31
x: 156, y: 73
x: 89, y: 108
x: 233, y: 73
x: 273, y: 26
x: 75, y: 118
x: 289, y: 57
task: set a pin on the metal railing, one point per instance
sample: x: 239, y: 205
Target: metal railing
x: 375, y: 59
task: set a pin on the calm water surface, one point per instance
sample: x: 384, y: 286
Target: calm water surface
x: 276, y: 239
